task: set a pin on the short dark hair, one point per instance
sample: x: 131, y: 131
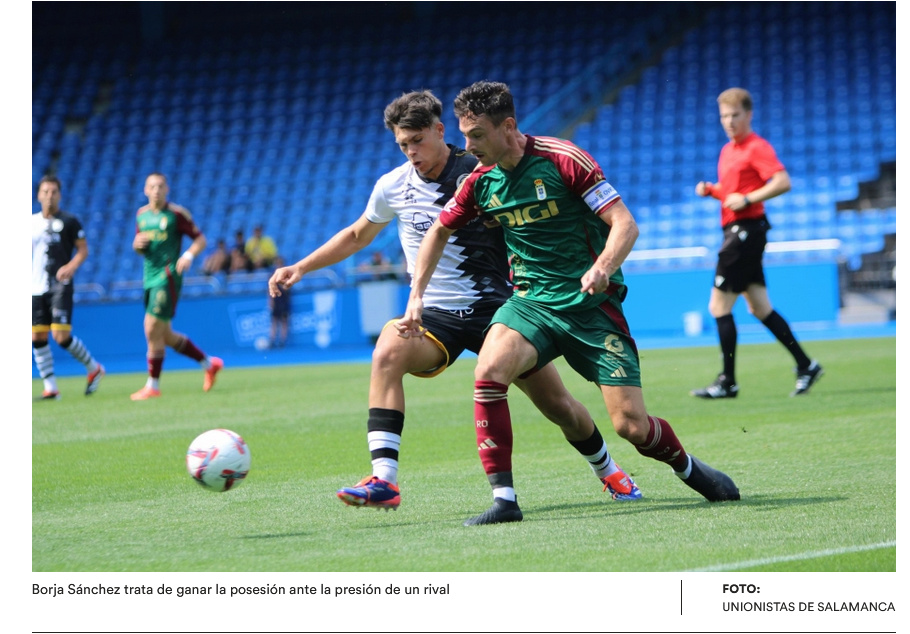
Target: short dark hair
x: 415, y: 110
x: 50, y: 178
x: 491, y: 98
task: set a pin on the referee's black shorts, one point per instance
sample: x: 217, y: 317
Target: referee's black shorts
x: 739, y: 261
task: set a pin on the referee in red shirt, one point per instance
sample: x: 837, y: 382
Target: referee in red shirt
x: 749, y: 173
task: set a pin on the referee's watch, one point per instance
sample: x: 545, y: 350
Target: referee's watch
x: 747, y: 201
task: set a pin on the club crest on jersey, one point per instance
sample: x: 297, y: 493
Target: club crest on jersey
x: 421, y: 222
x: 539, y: 189
x: 162, y: 224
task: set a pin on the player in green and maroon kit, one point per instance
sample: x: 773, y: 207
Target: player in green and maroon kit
x: 567, y: 232
x: 749, y: 173
x: 160, y: 227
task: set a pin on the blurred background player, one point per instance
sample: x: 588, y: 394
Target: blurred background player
x: 280, y: 313
x: 470, y: 284
x: 55, y: 235
x: 748, y: 173
x: 160, y: 227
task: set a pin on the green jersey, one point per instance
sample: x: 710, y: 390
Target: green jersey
x: 549, y: 208
x: 165, y: 229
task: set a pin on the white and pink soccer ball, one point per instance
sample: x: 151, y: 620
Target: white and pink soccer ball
x: 218, y: 459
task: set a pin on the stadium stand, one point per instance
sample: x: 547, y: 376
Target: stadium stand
x: 273, y: 116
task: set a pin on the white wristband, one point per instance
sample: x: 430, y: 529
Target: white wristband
x: 187, y: 255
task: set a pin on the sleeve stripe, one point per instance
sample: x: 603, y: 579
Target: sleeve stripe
x: 550, y: 144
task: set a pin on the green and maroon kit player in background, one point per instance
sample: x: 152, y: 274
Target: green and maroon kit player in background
x: 160, y: 227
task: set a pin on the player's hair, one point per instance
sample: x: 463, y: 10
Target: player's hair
x: 491, y: 98
x: 415, y: 110
x: 50, y: 178
x: 736, y: 97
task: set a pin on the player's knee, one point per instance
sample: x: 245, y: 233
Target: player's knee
x: 631, y: 426
x: 63, y: 338
x: 396, y: 357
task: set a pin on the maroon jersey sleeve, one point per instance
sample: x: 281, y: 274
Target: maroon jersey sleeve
x: 578, y: 169
x: 185, y: 224
x: 462, y: 207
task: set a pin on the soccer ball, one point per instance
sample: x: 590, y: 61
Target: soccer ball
x: 218, y: 459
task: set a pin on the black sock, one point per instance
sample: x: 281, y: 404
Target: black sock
x: 780, y: 329
x: 726, y: 332
x: 385, y: 420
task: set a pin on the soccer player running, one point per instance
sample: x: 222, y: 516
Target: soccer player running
x: 567, y: 232
x: 470, y: 284
x: 55, y: 235
x: 749, y: 173
x: 160, y: 227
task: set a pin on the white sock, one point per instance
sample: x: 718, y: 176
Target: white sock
x: 506, y: 493
x: 386, y: 469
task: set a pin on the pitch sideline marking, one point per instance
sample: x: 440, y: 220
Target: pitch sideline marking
x: 749, y: 563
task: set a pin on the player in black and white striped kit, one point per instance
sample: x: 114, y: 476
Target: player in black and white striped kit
x: 471, y: 282
x: 55, y: 236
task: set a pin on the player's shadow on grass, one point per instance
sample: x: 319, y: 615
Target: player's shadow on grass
x: 647, y: 505
x: 281, y: 535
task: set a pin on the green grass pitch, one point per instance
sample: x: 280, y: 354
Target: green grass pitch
x: 817, y: 473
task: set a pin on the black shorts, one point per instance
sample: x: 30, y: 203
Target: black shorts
x: 455, y: 331
x: 53, y: 308
x: 739, y: 261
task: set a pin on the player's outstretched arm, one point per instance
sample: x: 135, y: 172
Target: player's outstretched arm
x: 338, y: 248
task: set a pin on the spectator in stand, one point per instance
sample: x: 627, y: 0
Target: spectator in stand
x: 240, y: 263
x: 260, y: 250
x: 218, y: 261
x: 380, y: 267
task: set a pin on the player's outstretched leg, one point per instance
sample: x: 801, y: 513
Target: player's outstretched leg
x: 94, y: 380
x: 215, y: 366
x: 714, y: 485
x: 502, y: 511
x: 371, y: 491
